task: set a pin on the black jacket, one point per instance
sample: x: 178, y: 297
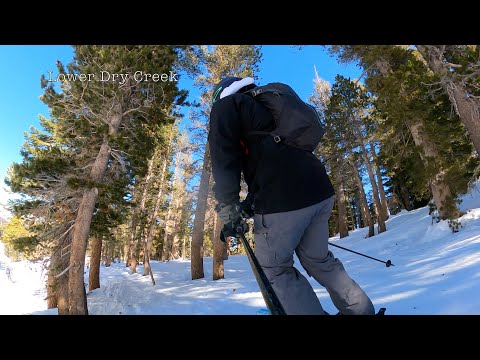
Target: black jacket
x: 281, y: 177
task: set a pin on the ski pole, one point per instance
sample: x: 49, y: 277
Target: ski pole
x: 268, y: 293
x: 388, y: 262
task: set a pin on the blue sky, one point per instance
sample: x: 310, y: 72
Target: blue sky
x: 21, y: 67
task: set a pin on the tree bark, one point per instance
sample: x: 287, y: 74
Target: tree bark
x: 352, y: 213
x: 226, y: 252
x: 132, y: 228
x: 52, y: 283
x: 178, y: 200
x: 151, y: 228
x: 108, y: 257
x: 184, y: 247
x: 199, y: 221
x: 76, y: 287
x: 127, y: 252
x: 381, y: 189
x: 404, y: 196
x: 169, y: 228
x: 167, y: 239
x: 358, y: 213
x: 342, y: 211
x: 367, y: 218
x: 57, y: 286
x: 378, y: 206
x: 467, y: 110
x: 174, y: 247
x: 467, y: 107
x: 440, y: 189
x: 394, y: 204
x: 95, y: 258
x: 218, y: 249
x: 131, y: 259
x: 140, y: 211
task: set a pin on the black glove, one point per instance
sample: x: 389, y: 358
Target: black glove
x: 231, y: 218
x: 246, y: 206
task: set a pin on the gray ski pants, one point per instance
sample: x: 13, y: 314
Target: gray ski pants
x: 305, y: 231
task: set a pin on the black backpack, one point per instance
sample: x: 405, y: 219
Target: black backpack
x: 297, y: 123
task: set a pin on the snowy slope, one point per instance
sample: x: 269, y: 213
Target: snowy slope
x: 435, y: 272
x: 21, y: 286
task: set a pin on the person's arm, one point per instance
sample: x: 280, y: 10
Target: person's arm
x: 225, y: 150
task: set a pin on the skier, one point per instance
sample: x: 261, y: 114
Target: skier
x: 290, y: 197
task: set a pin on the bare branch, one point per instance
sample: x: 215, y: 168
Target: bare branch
x: 63, y: 272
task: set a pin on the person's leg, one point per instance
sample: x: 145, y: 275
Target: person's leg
x: 276, y: 237
x: 312, y: 251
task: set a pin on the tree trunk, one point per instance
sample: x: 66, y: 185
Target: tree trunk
x: 174, y: 247
x: 76, y: 286
x: 151, y: 228
x: 334, y: 220
x: 95, y: 258
x: 51, y: 280
x: 226, y: 251
x: 167, y: 239
x: 383, y: 198
x: 62, y: 294
x: 113, y: 252
x: 127, y: 252
x: 199, y: 221
x: 57, y: 286
x: 440, y: 189
x: 394, y: 204
x: 353, y: 213
x: 139, y: 212
x: 184, y: 247
x: 404, y: 197
x: 367, y: 218
x: 169, y: 228
x: 358, y: 212
x: 467, y: 110
x: 132, y: 228
x: 133, y: 262
x: 342, y: 211
x: 376, y: 200
x: 148, y: 243
x: 79, y: 247
x: 108, y: 258
x: 62, y: 281
x: 467, y: 107
x: 218, y: 249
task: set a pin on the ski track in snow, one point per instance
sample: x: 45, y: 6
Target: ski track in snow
x: 435, y: 272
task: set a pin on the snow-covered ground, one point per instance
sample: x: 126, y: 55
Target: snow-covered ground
x: 436, y: 272
x: 21, y: 286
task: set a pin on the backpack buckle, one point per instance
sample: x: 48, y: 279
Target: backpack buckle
x: 256, y: 92
x: 277, y: 139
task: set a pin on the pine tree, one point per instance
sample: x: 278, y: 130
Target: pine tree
x: 458, y: 69
x: 17, y: 239
x: 345, y: 119
x: 378, y: 172
x: 401, y: 82
x: 148, y: 237
x: 178, y: 198
x: 215, y: 63
x: 364, y: 210
x: 98, y: 139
